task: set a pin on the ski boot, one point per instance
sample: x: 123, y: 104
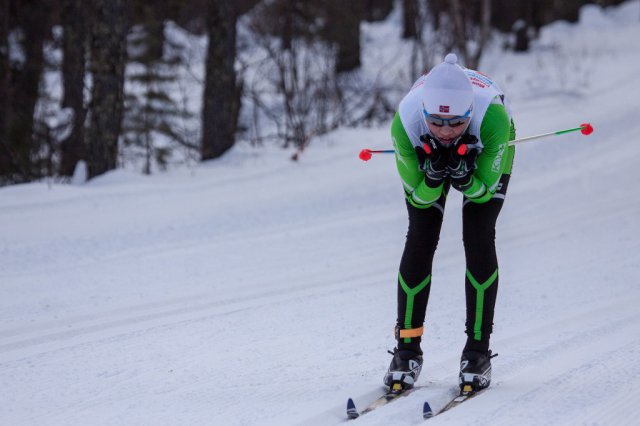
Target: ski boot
x: 404, y: 370
x: 475, y: 371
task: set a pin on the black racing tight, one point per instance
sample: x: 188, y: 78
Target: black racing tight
x: 481, y: 278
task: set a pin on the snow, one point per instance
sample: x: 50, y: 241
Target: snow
x: 256, y: 290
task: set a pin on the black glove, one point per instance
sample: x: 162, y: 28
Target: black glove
x: 462, y: 160
x: 433, y: 160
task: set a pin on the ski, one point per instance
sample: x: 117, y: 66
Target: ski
x: 390, y: 396
x: 466, y: 393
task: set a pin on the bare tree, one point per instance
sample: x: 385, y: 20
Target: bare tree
x: 293, y: 87
x: 423, y: 51
x: 295, y: 93
x: 467, y: 29
x: 108, y: 54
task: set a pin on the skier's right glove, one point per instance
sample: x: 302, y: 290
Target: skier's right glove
x: 433, y: 160
x: 462, y: 161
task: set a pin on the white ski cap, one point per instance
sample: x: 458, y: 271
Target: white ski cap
x: 447, y: 90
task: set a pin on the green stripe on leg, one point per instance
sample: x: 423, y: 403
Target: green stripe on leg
x: 411, y: 294
x: 480, y: 290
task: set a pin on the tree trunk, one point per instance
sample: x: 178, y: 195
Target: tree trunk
x: 221, y: 92
x: 33, y: 18
x: 153, y: 21
x: 108, y: 54
x: 244, y: 6
x: 73, y: 70
x: 5, y: 159
x: 288, y: 10
x: 521, y: 32
x: 345, y: 17
x: 410, y: 13
x: 435, y: 10
x: 377, y: 10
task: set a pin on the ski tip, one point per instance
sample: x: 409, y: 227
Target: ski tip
x: 352, y: 412
x: 427, y: 412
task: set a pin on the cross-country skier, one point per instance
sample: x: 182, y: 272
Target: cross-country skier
x: 451, y: 129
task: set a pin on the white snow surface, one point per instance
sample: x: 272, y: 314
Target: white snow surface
x: 255, y: 290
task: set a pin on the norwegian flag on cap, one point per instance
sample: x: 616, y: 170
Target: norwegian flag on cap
x: 444, y: 108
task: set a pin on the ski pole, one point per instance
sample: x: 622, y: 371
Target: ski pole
x: 585, y: 129
x: 365, y: 154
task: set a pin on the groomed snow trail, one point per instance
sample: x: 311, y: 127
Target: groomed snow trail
x: 257, y: 291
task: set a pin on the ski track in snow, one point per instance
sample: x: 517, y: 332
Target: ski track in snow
x: 252, y: 290
x: 158, y: 314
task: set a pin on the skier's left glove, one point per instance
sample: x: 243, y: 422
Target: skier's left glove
x: 462, y: 161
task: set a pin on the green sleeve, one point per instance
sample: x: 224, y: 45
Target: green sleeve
x: 416, y: 190
x: 496, y: 131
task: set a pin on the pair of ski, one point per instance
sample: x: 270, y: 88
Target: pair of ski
x: 466, y: 393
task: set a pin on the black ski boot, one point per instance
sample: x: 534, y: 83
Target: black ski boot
x: 475, y: 371
x: 404, y: 370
